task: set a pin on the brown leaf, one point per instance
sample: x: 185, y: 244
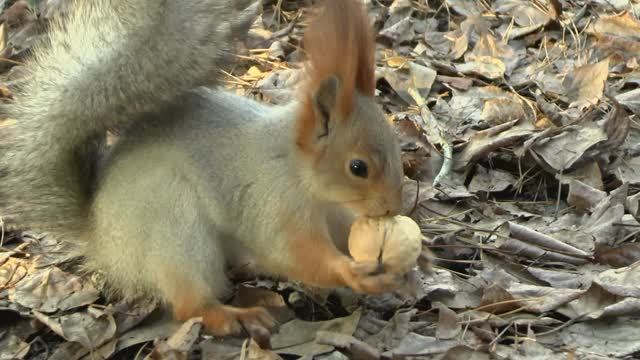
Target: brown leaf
x: 503, y: 109
x: 180, y: 343
x: 628, y: 170
x: 490, y: 180
x: 466, y: 7
x: 615, y: 338
x: 298, y: 337
x: 416, y: 151
x: 617, y: 256
x: 348, y: 345
x: 631, y: 99
x: 488, y: 46
x: 487, y: 66
x: 562, y: 148
x: 459, y: 83
x: 422, y: 79
x: 616, y: 126
x: 399, y: 32
x: 585, y: 84
x: 621, y: 282
x: 91, y: 328
x: 583, y: 196
x: 525, y: 13
x: 465, y: 352
x: 601, y: 225
x: 52, y: 289
x: 486, y: 141
x: 448, y: 326
x: 542, y: 299
x: 497, y: 300
x: 393, y: 333
x: 12, y: 347
x: 415, y: 344
x: 623, y: 24
x: 588, y: 173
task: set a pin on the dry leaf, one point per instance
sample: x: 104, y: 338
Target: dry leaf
x: 348, y: 345
x: 448, y: 325
x: 12, y: 347
x: 489, y: 180
x: 486, y: 66
x: 179, y: 344
x: 91, y: 328
x: 52, y: 289
x: 525, y: 13
x: 297, y: 337
x: 585, y: 84
x: 623, y: 24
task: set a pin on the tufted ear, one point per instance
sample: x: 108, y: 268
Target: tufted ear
x: 325, y: 100
x: 340, y: 45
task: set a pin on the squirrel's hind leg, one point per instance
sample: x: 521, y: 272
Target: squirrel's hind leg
x: 162, y: 240
x: 189, y: 297
x: 192, y: 279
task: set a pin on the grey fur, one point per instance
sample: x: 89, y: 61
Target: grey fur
x: 108, y: 62
x: 201, y: 178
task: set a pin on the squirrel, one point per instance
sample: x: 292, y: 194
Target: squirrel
x: 199, y: 179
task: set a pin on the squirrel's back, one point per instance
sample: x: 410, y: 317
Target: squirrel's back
x: 102, y: 66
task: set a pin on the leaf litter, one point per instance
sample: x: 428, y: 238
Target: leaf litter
x: 518, y: 122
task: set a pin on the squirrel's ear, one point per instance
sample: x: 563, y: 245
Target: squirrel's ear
x: 325, y: 100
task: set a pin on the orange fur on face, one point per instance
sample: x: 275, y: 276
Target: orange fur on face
x: 339, y: 42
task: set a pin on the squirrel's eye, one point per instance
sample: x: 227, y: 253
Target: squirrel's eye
x: 359, y: 168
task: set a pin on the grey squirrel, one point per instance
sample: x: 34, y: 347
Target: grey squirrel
x: 200, y: 178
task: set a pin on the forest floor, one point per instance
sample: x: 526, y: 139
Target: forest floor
x: 521, y: 145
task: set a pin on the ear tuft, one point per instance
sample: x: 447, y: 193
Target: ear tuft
x: 340, y: 45
x: 340, y: 41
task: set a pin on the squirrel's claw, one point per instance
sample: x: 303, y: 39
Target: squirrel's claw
x: 229, y: 320
x: 367, y: 278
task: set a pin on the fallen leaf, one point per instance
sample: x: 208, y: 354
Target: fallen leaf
x: 486, y: 66
x: 623, y: 24
x: 615, y: 338
x: 180, y: 343
x: 486, y: 141
x: 399, y: 32
x: 91, y: 328
x: 393, y: 333
x: 583, y: 196
x: 348, y: 345
x: 448, y: 325
x: 419, y: 345
x: 524, y: 13
x: 560, y: 151
x: 490, y: 180
x: 297, y: 337
x: 51, y: 289
x: 585, y: 84
x: 12, y: 347
x: 630, y: 99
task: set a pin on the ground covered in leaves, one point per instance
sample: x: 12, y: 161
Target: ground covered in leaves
x: 519, y: 127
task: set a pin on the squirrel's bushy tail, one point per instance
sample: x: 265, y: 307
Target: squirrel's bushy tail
x: 104, y: 64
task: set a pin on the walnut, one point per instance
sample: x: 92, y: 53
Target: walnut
x: 394, y: 242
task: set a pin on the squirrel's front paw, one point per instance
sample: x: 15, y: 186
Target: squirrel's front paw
x: 365, y: 277
x: 230, y: 320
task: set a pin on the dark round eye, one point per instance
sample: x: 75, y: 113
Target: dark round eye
x: 359, y: 168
